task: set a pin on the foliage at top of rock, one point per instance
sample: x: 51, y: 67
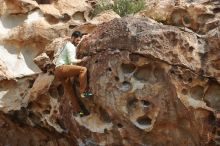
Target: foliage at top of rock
x: 121, y: 7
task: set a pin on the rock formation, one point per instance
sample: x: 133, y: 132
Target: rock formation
x: 155, y: 81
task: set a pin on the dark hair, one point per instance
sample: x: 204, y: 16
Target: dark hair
x: 76, y: 34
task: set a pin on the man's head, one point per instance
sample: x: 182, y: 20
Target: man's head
x: 76, y: 37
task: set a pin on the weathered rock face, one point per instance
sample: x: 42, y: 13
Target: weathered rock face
x: 198, y: 15
x: 14, y: 132
x: 153, y: 84
x: 147, y: 81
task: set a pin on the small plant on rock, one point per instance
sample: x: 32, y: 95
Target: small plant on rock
x: 125, y: 7
x: 100, y: 6
x: 121, y: 7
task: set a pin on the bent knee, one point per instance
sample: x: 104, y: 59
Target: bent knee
x: 84, y: 69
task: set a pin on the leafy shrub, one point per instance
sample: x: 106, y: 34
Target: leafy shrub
x: 121, y: 7
x: 125, y: 7
x: 101, y: 5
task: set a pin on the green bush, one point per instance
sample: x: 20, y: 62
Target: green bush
x: 101, y: 5
x: 121, y: 7
x: 125, y: 7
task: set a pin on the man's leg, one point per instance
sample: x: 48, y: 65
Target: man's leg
x: 70, y: 94
x: 73, y: 71
x: 68, y: 91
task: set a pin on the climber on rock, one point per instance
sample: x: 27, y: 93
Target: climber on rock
x: 66, y: 67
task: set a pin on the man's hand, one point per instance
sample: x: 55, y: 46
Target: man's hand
x: 86, y: 58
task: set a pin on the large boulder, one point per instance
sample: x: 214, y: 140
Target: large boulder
x: 148, y: 87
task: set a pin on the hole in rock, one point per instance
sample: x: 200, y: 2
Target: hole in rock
x: 44, y: 1
x: 143, y: 72
x: 211, y: 119
x: 212, y: 95
x: 55, y: 111
x: 48, y: 107
x: 186, y: 20
x: 19, y: 116
x: 159, y: 74
x: 109, y: 69
x: 184, y: 91
x: 30, y: 105
x: 218, y: 133
x: 128, y: 68
x: 125, y: 86
x: 217, y: 123
x: 190, y: 80
x: 180, y: 77
x: 134, y: 57
x: 177, y: 16
x: 104, y: 115
x: 120, y: 125
x: 31, y: 83
x: 60, y: 90
x: 34, y: 118
x: 145, y: 121
x: 172, y: 71
x: 51, y: 19
x: 213, y: 130
x: 191, y: 48
x: 197, y: 92
x: 46, y: 112
x: 79, y: 16
x: 96, y: 61
x: 106, y: 131
x: 61, y: 123
x: 145, y: 103
x: 53, y: 92
x: 132, y: 103
x: 72, y: 26
x: 216, y: 10
x: 65, y: 17
x: 116, y: 78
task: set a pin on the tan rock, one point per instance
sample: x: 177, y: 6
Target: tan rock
x: 28, y: 135
x: 19, y: 62
x: 4, y: 72
x: 40, y: 86
x: 18, y: 6
x: 158, y: 10
x: 91, y: 25
x: 50, y: 10
x: 104, y: 16
x: 13, y: 92
x: 42, y: 60
x: 70, y: 7
x: 136, y: 79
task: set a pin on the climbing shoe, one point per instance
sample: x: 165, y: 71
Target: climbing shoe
x: 86, y: 94
x: 79, y: 114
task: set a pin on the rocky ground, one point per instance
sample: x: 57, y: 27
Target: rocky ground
x: 155, y: 75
